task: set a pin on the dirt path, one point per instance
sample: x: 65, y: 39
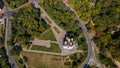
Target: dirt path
x: 117, y: 63
x: 45, y: 32
x: 22, y: 6
x: 40, y: 42
x: 52, y: 53
x: 23, y: 61
x: 53, y: 25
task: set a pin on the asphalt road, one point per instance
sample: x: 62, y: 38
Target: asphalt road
x: 91, y: 54
x: 7, y: 37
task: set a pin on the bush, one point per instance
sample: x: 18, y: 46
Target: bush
x: 20, y: 61
x: 67, y: 63
x: 15, y: 3
x: 25, y: 58
x: 73, y: 57
x: 16, y: 50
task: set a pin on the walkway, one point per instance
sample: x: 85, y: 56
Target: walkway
x: 53, y: 25
x: 23, y: 61
x: 22, y: 6
x: 52, y: 53
x: 40, y: 42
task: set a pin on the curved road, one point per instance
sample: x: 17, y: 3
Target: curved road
x: 91, y: 54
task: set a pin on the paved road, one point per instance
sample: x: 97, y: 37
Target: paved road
x: 5, y: 13
x: 91, y: 54
x: 8, y: 13
x: 7, y: 37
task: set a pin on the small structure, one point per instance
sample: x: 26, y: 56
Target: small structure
x: 68, y: 43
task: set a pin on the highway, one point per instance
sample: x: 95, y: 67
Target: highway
x: 7, y: 36
x: 91, y: 54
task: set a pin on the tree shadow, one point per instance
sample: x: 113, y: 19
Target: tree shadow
x: 116, y: 35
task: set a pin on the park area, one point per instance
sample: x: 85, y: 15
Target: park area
x: 48, y: 35
x: 32, y: 32
x: 36, y: 60
x: 53, y: 48
x: 28, y: 25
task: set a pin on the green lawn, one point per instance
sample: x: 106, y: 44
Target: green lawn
x: 16, y: 3
x: 48, y: 20
x: 54, y: 48
x: 48, y: 36
x: 37, y: 60
x: 17, y: 58
x: 56, y: 29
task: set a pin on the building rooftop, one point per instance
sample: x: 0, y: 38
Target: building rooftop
x: 68, y: 43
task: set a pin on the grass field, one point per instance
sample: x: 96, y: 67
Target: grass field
x: 54, y: 48
x: 48, y: 36
x: 15, y: 3
x: 56, y: 29
x: 17, y: 61
x: 36, y: 60
x: 48, y: 20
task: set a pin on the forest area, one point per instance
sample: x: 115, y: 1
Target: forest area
x: 26, y: 25
x: 15, y: 3
x: 66, y: 19
x: 105, y: 15
x: 107, y: 32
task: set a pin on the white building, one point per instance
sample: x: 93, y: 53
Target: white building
x: 68, y: 47
x: 69, y: 43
